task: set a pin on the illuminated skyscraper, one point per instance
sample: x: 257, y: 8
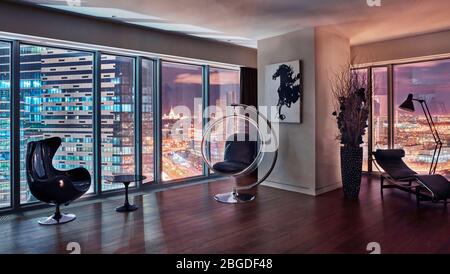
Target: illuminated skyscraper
x: 56, y: 99
x: 117, y: 114
x: 56, y: 90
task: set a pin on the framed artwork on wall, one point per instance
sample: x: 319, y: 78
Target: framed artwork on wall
x: 283, y: 90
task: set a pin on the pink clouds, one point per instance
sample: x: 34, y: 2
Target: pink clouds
x: 215, y: 78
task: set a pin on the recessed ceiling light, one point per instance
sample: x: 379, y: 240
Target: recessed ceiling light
x: 222, y: 37
x: 104, y: 12
x: 186, y: 28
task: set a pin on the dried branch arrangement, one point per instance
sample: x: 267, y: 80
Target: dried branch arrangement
x: 351, y: 99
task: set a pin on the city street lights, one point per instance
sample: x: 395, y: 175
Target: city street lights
x: 408, y: 105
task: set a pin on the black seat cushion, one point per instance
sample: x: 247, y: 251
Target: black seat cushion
x: 390, y: 160
x: 81, y: 178
x: 230, y: 167
x: 390, y: 153
x: 240, y: 152
x: 437, y: 184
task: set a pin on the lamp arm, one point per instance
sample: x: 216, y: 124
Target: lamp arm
x: 436, y: 137
x: 429, y: 118
x: 436, y: 132
x: 435, y: 163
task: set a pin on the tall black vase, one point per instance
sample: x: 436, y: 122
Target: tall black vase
x: 351, y: 170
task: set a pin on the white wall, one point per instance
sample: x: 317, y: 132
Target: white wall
x: 295, y: 168
x: 332, y: 53
x: 308, y: 159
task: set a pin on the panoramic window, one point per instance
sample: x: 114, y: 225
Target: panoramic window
x: 117, y: 114
x: 147, y: 119
x: 429, y: 81
x: 5, y: 134
x: 224, y: 90
x: 56, y: 101
x: 181, y: 121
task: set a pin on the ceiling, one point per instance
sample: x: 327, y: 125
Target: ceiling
x: 243, y: 22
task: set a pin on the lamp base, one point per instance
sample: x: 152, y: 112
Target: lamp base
x: 234, y: 198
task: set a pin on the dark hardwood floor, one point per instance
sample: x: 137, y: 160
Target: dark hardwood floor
x: 188, y: 220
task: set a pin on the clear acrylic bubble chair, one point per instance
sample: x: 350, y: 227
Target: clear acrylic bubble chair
x: 237, y: 144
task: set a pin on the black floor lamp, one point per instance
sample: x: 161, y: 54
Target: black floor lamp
x: 408, y: 105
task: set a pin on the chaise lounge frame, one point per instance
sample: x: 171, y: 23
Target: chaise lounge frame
x: 433, y: 187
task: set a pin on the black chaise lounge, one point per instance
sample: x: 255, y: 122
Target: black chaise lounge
x: 50, y: 185
x: 433, y: 188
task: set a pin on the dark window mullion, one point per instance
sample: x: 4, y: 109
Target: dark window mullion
x: 205, y: 100
x: 157, y: 144
x: 97, y: 123
x: 138, y: 117
x: 390, y: 106
x: 15, y: 123
x: 370, y: 125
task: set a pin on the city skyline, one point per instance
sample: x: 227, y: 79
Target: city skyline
x: 430, y: 81
x: 56, y: 92
x: 56, y: 100
x: 181, y: 157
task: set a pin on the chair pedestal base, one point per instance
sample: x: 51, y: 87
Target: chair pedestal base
x: 234, y: 198
x: 52, y: 220
x: 126, y: 208
x: 57, y: 218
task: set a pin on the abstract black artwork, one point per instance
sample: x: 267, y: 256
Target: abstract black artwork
x: 283, y: 90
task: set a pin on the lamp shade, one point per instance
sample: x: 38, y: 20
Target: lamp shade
x: 408, y: 105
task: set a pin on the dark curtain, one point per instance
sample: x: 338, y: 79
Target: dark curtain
x: 249, y: 96
x: 249, y: 86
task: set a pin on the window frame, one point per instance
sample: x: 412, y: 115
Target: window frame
x: 391, y: 93
x: 205, y: 95
x: 19, y: 43
x: 208, y: 104
x: 137, y: 119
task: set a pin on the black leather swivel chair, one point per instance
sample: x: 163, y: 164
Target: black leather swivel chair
x: 50, y: 185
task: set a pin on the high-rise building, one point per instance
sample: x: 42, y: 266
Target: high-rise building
x: 56, y: 99
x: 117, y: 115
x: 30, y: 106
x: 56, y: 90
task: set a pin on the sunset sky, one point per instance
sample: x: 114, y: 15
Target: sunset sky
x: 182, y: 83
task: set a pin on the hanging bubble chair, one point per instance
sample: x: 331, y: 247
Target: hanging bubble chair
x: 237, y: 144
